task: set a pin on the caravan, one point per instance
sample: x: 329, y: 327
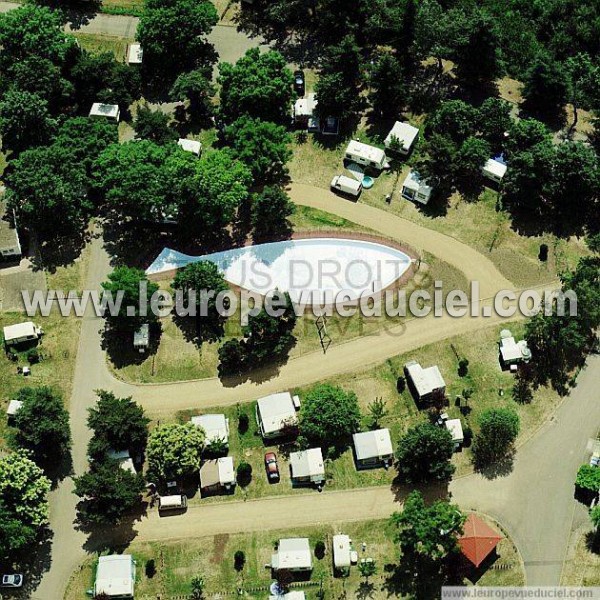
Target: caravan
x: 368, y: 156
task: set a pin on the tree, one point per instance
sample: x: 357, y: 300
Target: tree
x: 367, y: 568
x: 232, y: 358
x: 470, y: 158
x: 259, y: 85
x: 34, y: 31
x: 588, y: 479
x: 498, y: 431
x: 197, y: 88
x: 118, y: 424
x: 388, y: 87
x: 239, y: 560
x: 524, y: 134
x: 495, y: 122
x: 427, y: 536
x: 244, y: 474
x: 202, y: 282
x: 173, y: 35
x: 133, y: 178
x: 320, y: 549
x: 216, y: 191
x: 545, y: 87
x: 136, y: 291
x: 175, y: 450
x: 595, y: 517
x: 23, y: 501
x: 424, y: 454
x: 262, y: 146
x: 329, y: 416
x: 463, y: 367
x: 377, y: 411
x: 270, y: 211
x: 42, y: 426
x: 153, y: 125
x: 108, y: 492
x: 48, y: 191
x: 25, y: 121
x: 197, y: 586
x: 454, y: 119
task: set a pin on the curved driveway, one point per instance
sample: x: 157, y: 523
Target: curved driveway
x: 544, y: 468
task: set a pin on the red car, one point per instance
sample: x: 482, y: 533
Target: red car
x: 271, y: 466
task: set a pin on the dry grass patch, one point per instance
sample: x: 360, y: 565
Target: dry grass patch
x: 582, y: 567
x: 98, y: 43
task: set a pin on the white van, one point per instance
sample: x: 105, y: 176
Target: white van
x: 176, y: 502
x: 346, y: 185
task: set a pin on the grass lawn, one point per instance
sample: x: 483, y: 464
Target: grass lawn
x: 478, y: 224
x: 582, y: 567
x: 98, y: 43
x: 58, y: 347
x: 178, y: 562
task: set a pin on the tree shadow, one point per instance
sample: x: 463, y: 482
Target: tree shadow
x: 59, y: 470
x: 365, y: 590
x: 592, y: 541
x: 498, y: 468
x: 60, y: 251
x: 118, y: 345
x: 199, y: 330
x: 431, y: 492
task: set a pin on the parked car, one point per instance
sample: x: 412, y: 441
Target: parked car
x: 595, y: 460
x: 12, y: 580
x: 271, y: 466
x: 299, y: 83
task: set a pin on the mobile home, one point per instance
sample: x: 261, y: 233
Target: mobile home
x: 368, y: 156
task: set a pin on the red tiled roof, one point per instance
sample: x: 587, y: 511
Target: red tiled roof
x: 478, y: 540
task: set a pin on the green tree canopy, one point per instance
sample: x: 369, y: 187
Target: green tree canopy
x: 588, y: 478
x: 424, y: 454
x: 262, y: 146
x: 42, y: 426
x: 270, y: 211
x: 196, y: 87
x: 329, y: 416
x: 118, y: 424
x: 175, y: 450
x: 546, y: 87
x: 259, y: 85
x: 154, y: 125
x: 498, y: 430
x: 108, y: 492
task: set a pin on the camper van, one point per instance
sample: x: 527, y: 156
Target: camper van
x: 176, y: 502
x: 346, y: 185
x: 367, y: 156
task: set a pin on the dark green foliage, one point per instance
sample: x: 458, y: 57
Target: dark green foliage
x: 239, y: 560
x: 588, y: 478
x: 270, y: 211
x: 498, y: 431
x: 196, y: 87
x: 424, y: 454
x: 546, y: 87
x: 463, y: 367
x: 244, y: 474
x: 388, y: 89
x: 42, y: 426
x: 153, y: 125
x: 320, y: 549
x: 329, y: 416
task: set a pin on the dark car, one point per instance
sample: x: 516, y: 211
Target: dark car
x: 271, y: 466
x: 299, y: 83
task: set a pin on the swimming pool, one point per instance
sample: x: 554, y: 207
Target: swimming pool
x: 321, y: 267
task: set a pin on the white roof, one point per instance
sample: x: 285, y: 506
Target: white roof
x: 307, y: 463
x: 425, y: 380
x: 346, y: 182
x: 341, y: 550
x: 373, y: 444
x: 20, y: 330
x: 170, y: 501
x: 406, y: 134
x: 192, y: 146
x: 295, y: 595
x: 454, y: 426
x: 115, y: 575
x: 216, y: 427
x: 275, y: 411
x: 226, y: 471
x: 495, y: 168
x: 377, y: 155
x: 104, y: 110
x: 13, y: 407
x: 305, y: 107
x: 513, y: 350
x: 125, y: 461
x: 292, y: 553
x: 141, y: 337
x: 414, y: 182
x: 135, y: 54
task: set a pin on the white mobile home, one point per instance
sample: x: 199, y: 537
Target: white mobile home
x: 141, y: 338
x: 175, y: 502
x: 10, y: 245
x: 216, y: 427
x: 415, y: 189
x: 454, y: 426
x: 304, y: 109
x: 105, y: 111
x: 494, y: 170
x: 307, y: 467
x: 511, y: 351
x: 424, y: 382
x: 21, y: 332
x: 217, y: 476
x: 135, y: 54
x: 192, y: 146
x: 115, y: 576
x: 276, y: 414
x: 14, y: 406
x: 373, y: 448
x: 401, y: 138
x: 368, y: 156
x: 342, y: 547
x: 293, y: 554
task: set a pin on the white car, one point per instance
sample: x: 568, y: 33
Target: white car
x: 13, y: 580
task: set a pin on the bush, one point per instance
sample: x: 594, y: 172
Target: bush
x: 400, y: 384
x: 244, y: 474
x: 320, y: 549
x: 463, y: 367
x: 543, y: 255
x: 243, y: 423
x: 33, y: 356
x: 150, y: 568
x: 239, y: 560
